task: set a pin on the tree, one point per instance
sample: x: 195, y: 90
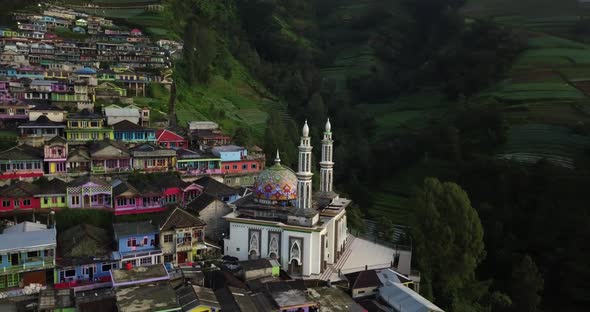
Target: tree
x: 354, y: 218
x: 200, y: 50
x: 526, y: 285
x: 448, y: 239
x: 385, y: 229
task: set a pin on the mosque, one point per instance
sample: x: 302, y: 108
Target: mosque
x: 285, y: 220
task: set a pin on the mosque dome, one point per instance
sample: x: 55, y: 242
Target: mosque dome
x: 275, y: 184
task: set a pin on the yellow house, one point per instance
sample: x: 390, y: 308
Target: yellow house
x: 86, y: 126
x: 197, y: 299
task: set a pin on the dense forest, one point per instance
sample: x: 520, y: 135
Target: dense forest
x: 514, y: 230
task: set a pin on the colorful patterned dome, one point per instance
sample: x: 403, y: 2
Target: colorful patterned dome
x: 276, y: 184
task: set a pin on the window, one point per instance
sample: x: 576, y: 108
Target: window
x: 63, y: 199
x: 32, y: 254
x: 253, y: 166
x: 16, y: 203
x: 161, y: 162
x: 70, y: 273
x: 146, y: 260
x: 48, y: 253
x: 145, y: 241
x: 75, y: 200
x: 6, y: 203
x: 227, y: 167
x: 235, y: 167
x: 131, y: 242
x: 131, y: 201
x: 237, y: 249
x: 244, y: 166
x: 106, y: 267
x: 87, y: 269
x: 168, y: 258
x: 26, y: 202
x: 53, y: 200
x: 168, y: 238
x: 12, y: 280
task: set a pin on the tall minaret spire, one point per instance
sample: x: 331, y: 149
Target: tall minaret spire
x: 304, y: 174
x: 327, y: 165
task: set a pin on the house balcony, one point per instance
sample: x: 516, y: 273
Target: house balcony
x: 30, y: 265
x: 201, y: 171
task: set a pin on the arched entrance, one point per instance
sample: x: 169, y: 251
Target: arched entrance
x: 272, y: 255
x: 295, y: 268
x: 253, y: 255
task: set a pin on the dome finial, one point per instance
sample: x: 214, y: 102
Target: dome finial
x: 277, y: 159
x: 305, y: 129
x: 328, y: 125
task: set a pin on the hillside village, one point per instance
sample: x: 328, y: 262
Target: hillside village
x: 198, y: 222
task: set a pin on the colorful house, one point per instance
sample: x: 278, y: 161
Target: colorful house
x: 149, y: 157
x: 14, y: 109
x: 87, y: 126
x: 52, y: 194
x: 182, y: 237
x: 197, y: 163
x: 235, y: 159
x: 79, y: 160
x: 42, y: 127
x: 109, y: 156
x: 89, y: 192
x: 84, y: 256
x: 137, y: 243
x: 27, y: 254
x: 19, y: 196
x: 169, y: 139
x: 129, y: 200
x: 21, y: 161
x: 130, y: 132
x: 56, y: 155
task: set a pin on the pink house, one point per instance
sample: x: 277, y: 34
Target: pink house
x: 152, y: 193
x: 56, y: 155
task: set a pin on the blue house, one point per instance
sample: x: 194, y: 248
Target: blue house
x: 84, y: 255
x: 129, y: 132
x: 27, y: 255
x: 137, y: 243
x: 230, y: 152
x: 8, y: 72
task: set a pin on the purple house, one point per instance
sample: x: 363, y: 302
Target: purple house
x: 59, y: 87
x: 5, y: 91
x: 89, y: 192
x: 14, y: 109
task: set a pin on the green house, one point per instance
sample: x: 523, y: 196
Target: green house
x: 87, y: 126
x: 52, y: 194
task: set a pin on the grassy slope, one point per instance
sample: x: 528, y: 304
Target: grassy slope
x: 244, y: 100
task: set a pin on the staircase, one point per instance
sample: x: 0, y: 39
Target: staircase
x: 333, y: 268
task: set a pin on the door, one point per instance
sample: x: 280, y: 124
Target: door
x: 181, y: 257
x: 91, y: 273
x: 14, y: 259
x: 52, y: 168
x: 86, y: 201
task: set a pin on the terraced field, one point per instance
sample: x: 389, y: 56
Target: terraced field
x: 532, y: 142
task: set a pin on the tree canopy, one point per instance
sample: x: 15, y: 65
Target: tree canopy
x: 448, y: 240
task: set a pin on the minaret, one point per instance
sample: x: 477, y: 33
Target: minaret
x: 304, y: 173
x: 327, y: 165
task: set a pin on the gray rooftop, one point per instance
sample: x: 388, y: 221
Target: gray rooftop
x: 138, y: 275
x: 29, y: 236
x: 405, y: 299
x: 134, y: 228
x: 148, y: 297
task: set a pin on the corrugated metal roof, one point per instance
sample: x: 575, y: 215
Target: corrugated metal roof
x: 26, y: 238
x: 404, y: 299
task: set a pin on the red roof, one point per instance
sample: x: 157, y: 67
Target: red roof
x: 164, y: 135
x: 135, y: 31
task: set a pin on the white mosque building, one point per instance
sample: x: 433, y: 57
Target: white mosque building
x: 283, y: 219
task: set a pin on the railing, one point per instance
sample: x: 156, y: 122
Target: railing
x: 29, y: 266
